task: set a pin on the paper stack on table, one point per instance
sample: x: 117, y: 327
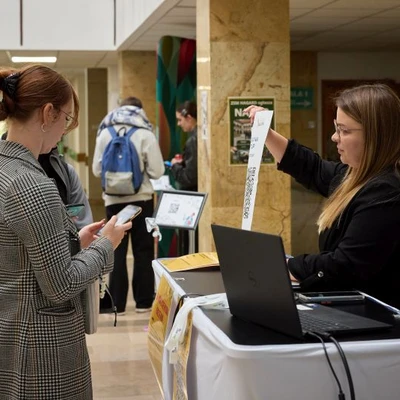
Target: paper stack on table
x: 191, y: 261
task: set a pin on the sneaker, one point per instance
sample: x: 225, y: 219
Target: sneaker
x: 121, y: 313
x: 143, y: 310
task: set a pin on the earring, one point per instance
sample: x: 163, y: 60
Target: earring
x: 42, y: 128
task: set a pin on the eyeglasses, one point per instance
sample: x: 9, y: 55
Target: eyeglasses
x: 69, y: 120
x: 340, y: 130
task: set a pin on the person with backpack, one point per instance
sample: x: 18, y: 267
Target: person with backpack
x: 127, y: 155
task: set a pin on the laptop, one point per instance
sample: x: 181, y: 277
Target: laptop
x: 259, y: 290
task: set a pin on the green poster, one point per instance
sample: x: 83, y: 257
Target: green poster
x: 240, y: 128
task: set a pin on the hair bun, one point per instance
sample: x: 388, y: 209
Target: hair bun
x: 9, y: 85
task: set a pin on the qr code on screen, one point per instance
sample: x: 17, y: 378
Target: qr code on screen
x: 173, y: 208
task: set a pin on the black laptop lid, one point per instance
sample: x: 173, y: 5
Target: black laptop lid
x: 256, y: 278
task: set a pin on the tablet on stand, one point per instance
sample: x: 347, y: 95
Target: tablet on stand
x: 180, y: 209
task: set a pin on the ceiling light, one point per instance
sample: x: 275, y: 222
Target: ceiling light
x: 16, y: 59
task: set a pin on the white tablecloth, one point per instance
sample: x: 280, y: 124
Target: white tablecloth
x: 220, y: 369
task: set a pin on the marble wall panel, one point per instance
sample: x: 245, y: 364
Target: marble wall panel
x: 137, y: 74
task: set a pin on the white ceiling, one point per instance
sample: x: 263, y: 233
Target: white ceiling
x: 315, y: 25
x: 345, y: 25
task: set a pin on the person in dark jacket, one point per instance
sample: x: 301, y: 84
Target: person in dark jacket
x: 184, y: 168
x: 360, y: 221
x: 68, y: 183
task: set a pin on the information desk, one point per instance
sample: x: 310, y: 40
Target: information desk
x: 220, y: 369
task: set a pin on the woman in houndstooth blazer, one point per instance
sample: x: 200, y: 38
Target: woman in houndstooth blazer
x: 42, y: 339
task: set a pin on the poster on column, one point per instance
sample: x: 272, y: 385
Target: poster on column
x: 240, y: 128
x: 259, y: 133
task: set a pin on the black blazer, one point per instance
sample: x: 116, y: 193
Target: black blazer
x: 185, y: 173
x: 362, y: 249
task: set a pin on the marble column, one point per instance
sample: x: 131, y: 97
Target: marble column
x: 137, y: 75
x: 243, y: 50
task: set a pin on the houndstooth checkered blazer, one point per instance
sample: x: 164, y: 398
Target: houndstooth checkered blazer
x: 43, y: 352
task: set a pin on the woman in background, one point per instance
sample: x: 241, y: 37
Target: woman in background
x: 42, y: 269
x: 184, y: 168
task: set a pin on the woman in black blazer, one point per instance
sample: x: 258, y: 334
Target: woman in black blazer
x: 359, y: 225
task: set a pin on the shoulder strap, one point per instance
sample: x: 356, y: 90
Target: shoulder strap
x: 112, y: 130
x: 131, y: 131
x: 125, y: 132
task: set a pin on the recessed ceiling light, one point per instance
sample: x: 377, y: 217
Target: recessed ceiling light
x: 16, y: 59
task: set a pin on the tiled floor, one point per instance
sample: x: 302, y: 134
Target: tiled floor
x: 121, y: 368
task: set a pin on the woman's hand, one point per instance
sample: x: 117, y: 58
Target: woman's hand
x: 275, y: 142
x: 89, y: 233
x: 177, y: 159
x: 115, y: 233
x: 252, y: 110
x: 292, y: 278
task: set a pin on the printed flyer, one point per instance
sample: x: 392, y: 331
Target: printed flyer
x: 158, y: 327
x: 180, y: 368
x: 240, y: 128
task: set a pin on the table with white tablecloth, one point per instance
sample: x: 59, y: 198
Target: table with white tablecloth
x: 220, y: 369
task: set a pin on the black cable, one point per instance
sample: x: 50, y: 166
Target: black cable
x: 346, y: 366
x: 341, y: 395
x: 180, y: 303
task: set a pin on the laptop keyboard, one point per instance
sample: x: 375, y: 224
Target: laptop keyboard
x: 312, y: 323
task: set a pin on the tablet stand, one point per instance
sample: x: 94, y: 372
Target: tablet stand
x: 180, y: 209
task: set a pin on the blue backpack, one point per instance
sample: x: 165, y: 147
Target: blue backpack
x: 120, y: 166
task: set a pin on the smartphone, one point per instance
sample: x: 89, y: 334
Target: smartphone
x: 127, y: 214
x: 343, y: 297
x: 74, y: 210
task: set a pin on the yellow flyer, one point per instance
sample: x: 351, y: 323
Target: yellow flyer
x: 158, y: 327
x: 180, y: 368
x: 191, y: 261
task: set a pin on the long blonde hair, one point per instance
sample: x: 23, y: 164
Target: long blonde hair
x: 377, y: 108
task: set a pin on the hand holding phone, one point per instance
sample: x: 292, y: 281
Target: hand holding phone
x: 113, y: 232
x: 127, y: 214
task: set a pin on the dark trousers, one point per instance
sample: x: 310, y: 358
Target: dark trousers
x: 142, y: 244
